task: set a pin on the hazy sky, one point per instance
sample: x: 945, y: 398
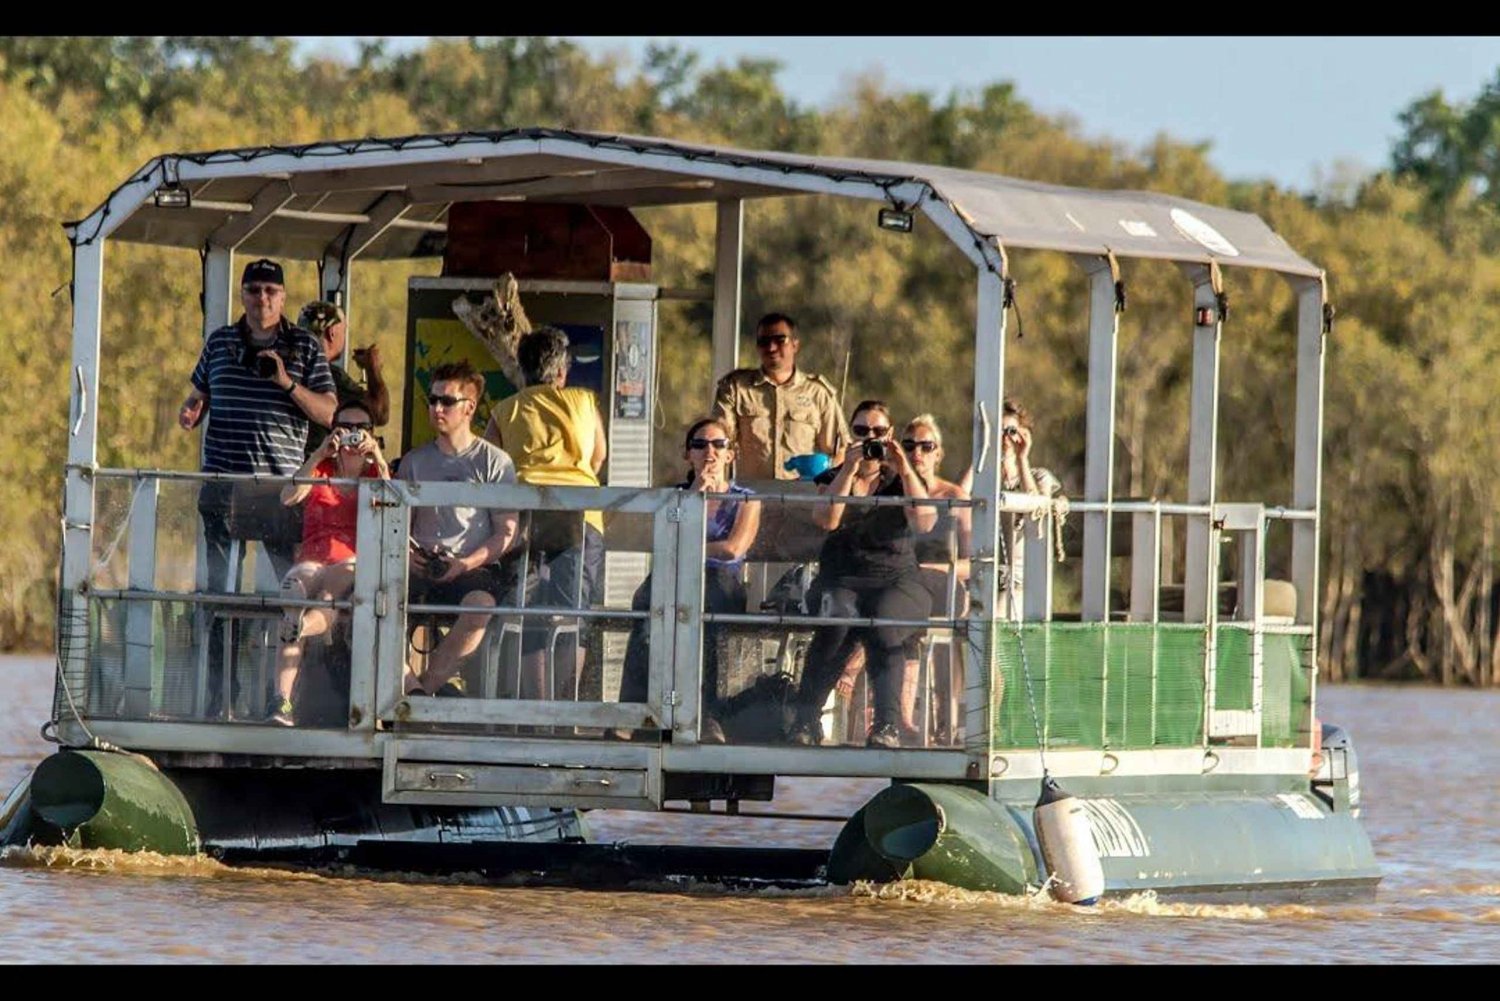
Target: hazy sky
x: 1279, y: 108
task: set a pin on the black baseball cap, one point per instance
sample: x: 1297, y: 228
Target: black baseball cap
x: 263, y: 270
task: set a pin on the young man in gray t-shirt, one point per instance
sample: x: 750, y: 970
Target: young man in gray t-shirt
x: 456, y: 549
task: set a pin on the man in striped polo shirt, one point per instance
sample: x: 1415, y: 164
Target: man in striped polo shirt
x: 259, y: 381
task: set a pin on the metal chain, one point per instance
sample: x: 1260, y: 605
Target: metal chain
x: 1041, y: 740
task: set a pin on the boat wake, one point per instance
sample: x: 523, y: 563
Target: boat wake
x: 130, y: 863
x: 1146, y: 904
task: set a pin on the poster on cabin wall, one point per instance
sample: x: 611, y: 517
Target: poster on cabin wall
x: 435, y: 337
x: 632, y: 368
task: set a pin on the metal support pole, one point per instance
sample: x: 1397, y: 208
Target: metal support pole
x: 687, y: 670
x: 365, y: 656
x: 78, y: 498
x: 1145, y: 566
x: 1200, y: 591
x: 1099, y: 458
x: 140, y: 650
x: 663, y: 622
x: 728, y: 261
x: 1036, y: 598
x: 390, y: 604
x: 1307, y: 476
x: 218, y: 301
x: 980, y: 661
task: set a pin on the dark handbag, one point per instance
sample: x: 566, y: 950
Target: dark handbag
x: 256, y: 512
x: 762, y: 713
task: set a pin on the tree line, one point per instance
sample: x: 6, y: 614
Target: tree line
x: 1412, y: 253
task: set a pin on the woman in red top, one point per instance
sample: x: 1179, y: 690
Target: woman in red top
x: 325, y: 560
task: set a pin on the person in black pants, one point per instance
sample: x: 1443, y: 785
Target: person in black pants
x: 867, y: 568
x: 732, y: 525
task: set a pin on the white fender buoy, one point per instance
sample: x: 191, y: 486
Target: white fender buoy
x: 1067, y: 841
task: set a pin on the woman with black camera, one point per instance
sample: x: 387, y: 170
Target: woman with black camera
x: 325, y: 560
x: 867, y: 568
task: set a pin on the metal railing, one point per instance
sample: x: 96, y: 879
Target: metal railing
x: 675, y: 618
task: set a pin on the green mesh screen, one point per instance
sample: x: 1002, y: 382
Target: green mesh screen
x: 1287, y: 689
x: 1179, y: 684
x: 1121, y: 685
x: 1233, y: 677
x: 1129, y: 688
x: 1014, y: 726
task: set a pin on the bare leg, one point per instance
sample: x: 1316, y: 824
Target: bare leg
x: 856, y: 719
x: 324, y: 583
x: 534, y: 675
x: 462, y: 640
x: 856, y: 663
x: 297, y: 584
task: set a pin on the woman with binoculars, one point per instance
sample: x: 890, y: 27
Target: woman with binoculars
x: 867, y: 568
x: 325, y: 559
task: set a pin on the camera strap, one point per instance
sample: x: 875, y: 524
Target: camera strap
x: 249, y: 343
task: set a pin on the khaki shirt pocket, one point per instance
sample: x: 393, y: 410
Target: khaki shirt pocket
x: 801, y: 432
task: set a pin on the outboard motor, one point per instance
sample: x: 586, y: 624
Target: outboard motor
x: 1339, y: 764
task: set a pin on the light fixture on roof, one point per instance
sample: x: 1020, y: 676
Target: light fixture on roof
x: 895, y: 220
x: 173, y: 195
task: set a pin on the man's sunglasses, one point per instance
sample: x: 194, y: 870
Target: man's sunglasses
x: 870, y: 430
x: 445, y: 401
x: 766, y: 340
x: 354, y: 426
x: 699, y: 444
x: 255, y: 290
x: 912, y: 445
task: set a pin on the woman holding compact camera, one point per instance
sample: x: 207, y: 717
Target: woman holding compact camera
x: 325, y: 560
x: 1018, y: 476
x: 867, y: 568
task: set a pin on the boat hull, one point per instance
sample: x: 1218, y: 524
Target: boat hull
x: 96, y: 799
x: 1223, y: 843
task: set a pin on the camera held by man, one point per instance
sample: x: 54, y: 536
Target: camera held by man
x: 262, y: 361
x: 432, y: 562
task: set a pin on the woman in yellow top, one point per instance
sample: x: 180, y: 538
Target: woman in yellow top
x: 556, y: 438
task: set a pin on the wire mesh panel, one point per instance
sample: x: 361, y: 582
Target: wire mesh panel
x: 1075, y: 686
x: 1179, y: 685
x: 1286, y: 689
x: 1130, y: 686
x: 1020, y: 656
x: 1234, y: 680
x: 1098, y: 685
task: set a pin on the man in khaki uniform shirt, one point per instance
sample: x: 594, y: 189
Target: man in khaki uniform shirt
x: 776, y: 411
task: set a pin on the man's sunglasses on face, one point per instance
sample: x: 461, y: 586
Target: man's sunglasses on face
x: 445, y: 402
x: 258, y: 290
x: 766, y: 340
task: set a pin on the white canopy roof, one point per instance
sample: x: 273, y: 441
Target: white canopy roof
x: 388, y: 198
